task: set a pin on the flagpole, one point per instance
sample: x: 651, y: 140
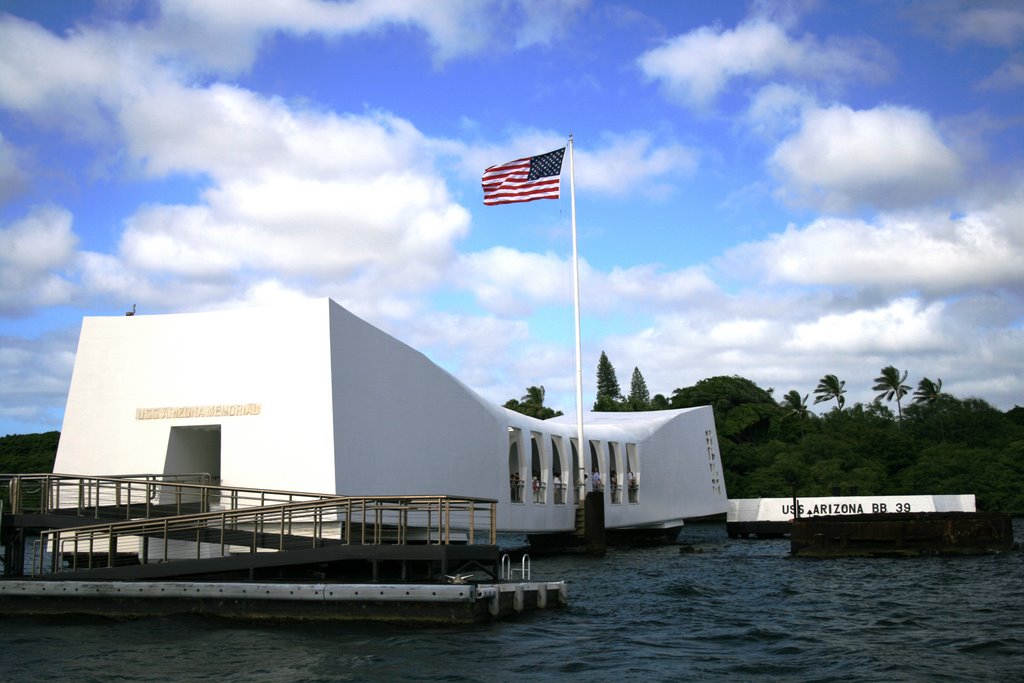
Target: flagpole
x: 581, y: 473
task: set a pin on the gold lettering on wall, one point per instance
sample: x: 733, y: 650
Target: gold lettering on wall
x: 226, y: 410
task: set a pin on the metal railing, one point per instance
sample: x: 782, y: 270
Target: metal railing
x: 330, y: 520
x: 136, y: 496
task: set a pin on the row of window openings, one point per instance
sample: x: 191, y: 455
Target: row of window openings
x: 536, y: 488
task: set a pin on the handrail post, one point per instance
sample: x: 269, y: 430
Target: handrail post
x: 113, y: 547
x: 348, y: 523
x: 362, y: 538
x: 447, y: 521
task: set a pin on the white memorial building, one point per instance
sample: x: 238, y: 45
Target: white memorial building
x: 308, y: 397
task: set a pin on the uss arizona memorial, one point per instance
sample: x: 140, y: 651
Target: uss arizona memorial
x: 309, y: 397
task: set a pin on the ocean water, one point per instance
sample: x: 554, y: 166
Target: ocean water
x: 733, y: 610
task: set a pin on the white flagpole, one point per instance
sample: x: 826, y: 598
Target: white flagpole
x: 580, y: 444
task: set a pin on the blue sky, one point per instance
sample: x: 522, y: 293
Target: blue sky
x: 777, y: 190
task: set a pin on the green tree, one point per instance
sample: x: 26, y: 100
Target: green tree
x: 532, y: 404
x: 928, y: 391
x: 28, y: 453
x: 830, y: 387
x: 743, y: 410
x: 796, y: 407
x: 609, y: 395
x: 928, y: 394
x: 639, y: 396
x: 891, y: 384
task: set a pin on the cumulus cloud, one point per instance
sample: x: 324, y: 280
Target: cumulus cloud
x: 901, y: 326
x: 511, y: 282
x: 80, y: 80
x: 34, y: 251
x: 923, y: 251
x: 777, y: 109
x: 625, y: 163
x: 224, y: 37
x: 297, y: 192
x: 886, y: 157
x: 1007, y: 77
x: 75, y: 82
x: 695, y: 67
x: 997, y: 23
x: 34, y: 377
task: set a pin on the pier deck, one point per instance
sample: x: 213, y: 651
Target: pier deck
x: 124, y: 547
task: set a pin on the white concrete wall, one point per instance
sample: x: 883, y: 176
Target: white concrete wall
x: 346, y: 408
x: 675, y: 479
x: 276, y: 359
x: 781, y: 509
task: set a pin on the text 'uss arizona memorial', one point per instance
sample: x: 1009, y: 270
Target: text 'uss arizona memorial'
x: 197, y: 411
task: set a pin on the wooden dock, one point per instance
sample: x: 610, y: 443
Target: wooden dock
x: 126, y: 547
x: 378, y: 602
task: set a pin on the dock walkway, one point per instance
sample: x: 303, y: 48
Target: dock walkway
x: 112, y: 544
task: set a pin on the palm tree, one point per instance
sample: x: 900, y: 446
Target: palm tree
x: 830, y: 387
x: 534, y: 398
x: 891, y: 384
x: 928, y: 391
x: 797, y: 407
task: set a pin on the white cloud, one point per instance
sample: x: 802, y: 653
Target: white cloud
x: 887, y: 157
x: 1000, y: 24
x: 901, y: 326
x: 73, y: 83
x: 694, y: 68
x: 776, y: 108
x: 923, y: 251
x: 32, y: 252
x: 226, y: 35
x: 511, y: 282
x: 626, y: 163
x: 297, y: 192
x: 1007, y: 77
x: 34, y: 377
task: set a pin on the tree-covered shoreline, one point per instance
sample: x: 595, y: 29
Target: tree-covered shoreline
x: 946, y: 445
x: 934, y: 443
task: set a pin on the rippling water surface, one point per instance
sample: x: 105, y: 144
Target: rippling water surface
x: 734, y: 610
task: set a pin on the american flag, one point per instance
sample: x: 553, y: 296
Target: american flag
x: 524, y: 180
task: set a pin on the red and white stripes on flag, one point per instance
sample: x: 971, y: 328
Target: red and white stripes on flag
x: 524, y: 180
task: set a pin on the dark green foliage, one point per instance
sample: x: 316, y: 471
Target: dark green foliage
x: 943, y: 445
x: 639, y: 396
x: 609, y: 395
x: 743, y: 410
x: 28, y: 453
x: 532, y: 404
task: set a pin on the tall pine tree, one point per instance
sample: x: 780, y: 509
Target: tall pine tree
x: 609, y: 396
x: 639, y: 396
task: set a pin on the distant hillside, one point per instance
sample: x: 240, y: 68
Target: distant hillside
x: 28, y: 453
